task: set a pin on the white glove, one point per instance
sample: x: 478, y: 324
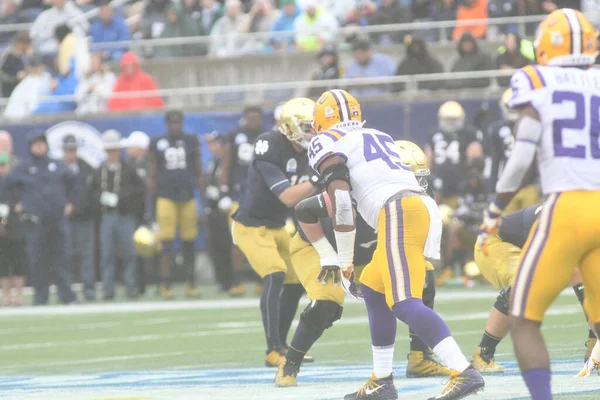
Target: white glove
x: 108, y: 199
x: 590, y: 365
x: 225, y: 204
x: 349, y: 284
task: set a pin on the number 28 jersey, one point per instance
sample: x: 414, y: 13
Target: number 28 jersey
x: 376, y: 171
x: 568, y: 103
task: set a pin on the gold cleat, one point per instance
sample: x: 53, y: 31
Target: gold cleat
x: 591, y: 342
x: 444, y: 277
x: 588, y: 368
x: 422, y: 364
x: 237, y: 290
x: 273, y: 359
x: 483, y: 362
x: 285, y: 378
x: 190, y: 291
x: 165, y: 292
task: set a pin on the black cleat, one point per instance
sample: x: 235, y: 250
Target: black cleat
x: 461, y: 385
x: 376, y: 389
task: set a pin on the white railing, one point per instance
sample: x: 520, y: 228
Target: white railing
x: 300, y: 87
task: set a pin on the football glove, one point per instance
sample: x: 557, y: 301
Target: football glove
x: 349, y: 284
x: 492, y: 218
x: 590, y: 365
x: 329, y: 272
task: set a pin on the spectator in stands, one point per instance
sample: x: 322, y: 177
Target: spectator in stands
x: 468, y: 10
x: 13, y: 253
x: 328, y: 69
x: 471, y: 58
x: 62, y: 11
x: 367, y: 64
x: 95, y: 88
x: 72, y: 48
x: 179, y: 25
x: 81, y: 220
x: 281, y: 32
x: 212, y: 10
x: 421, y: 9
x: 9, y: 14
x: 12, y: 63
x: 362, y: 13
x: 444, y: 10
x: 153, y: 18
x: 314, y: 27
x: 118, y: 189
x: 110, y: 28
x: 262, y: 16
x: 339, y: 8
x: 30, y: 91
x: 134, y: 79
x: 390, y: 12
x: 503, y: 9
x: 45, y: 191
x: 419, y: 61
x: 515, y: 53
x: 222, y: 42
x: 535, y: 7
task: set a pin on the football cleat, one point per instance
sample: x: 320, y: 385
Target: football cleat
x: 273, y: 358
x: 286, y: 374
x: 461, y: 385
x: 591, y: 342
x: 376, y: 389
x: 483, y: 361
x: 190, y: 291
x: 444, y: 277
x: 237, y: 290
x: 588, y: 368
x: 165, y: 292
x: 421, y: 364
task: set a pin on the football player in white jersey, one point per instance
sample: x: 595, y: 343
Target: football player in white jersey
x: 559, y: 102
x: 362, y: 163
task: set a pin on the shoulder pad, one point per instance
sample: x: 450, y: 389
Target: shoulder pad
x: 524, y: 84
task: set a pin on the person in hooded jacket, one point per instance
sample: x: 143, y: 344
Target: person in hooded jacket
x: 45, y: 191
x: 134, y: 79
x: 179, y: 25
x: 471, y: 58
x: 419, y: 61
x: 390, y: 12
x: 328, y: 68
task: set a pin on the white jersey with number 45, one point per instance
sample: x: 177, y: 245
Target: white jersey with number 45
x: 568, y: 103
x: 376, y: 171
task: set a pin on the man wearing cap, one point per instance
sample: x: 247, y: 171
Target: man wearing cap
x: 175, y: 171
x: 117, y: 188
x: 369, y: 64
x: 137, y: 155
x: 81, y: 221
x: 45, y: 192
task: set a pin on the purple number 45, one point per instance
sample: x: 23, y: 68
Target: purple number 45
x: 377, y: 147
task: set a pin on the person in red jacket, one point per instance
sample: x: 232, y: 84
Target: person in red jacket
x: 134, y: 79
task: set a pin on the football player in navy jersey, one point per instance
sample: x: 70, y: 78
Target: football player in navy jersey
x: 175, y: 171
x: 278, y: 178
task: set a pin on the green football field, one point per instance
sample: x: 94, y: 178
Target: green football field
x: 214, y: 349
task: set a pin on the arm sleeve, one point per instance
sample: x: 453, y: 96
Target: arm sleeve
x: 273, y: 176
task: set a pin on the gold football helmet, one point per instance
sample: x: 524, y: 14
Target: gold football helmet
x: 414, y: 158
x: 566, y: 38
x: 146, y: 243
x: 509, y: 114
x: 451, y: 117
x: 333, y: 107
x: 296, y: 120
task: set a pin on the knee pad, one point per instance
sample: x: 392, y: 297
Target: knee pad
x: 429, y: 289
x: 321, y: 314
x: 168, y: 246
x: 189, y: 252
x: 503, y: 301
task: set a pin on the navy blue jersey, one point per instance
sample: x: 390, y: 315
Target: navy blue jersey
x: 516, y: 226
x: 500, y: 143
x: 450, y: 157
x: 242, y: 154
x: 176, y: 159
x: 276, y: 166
